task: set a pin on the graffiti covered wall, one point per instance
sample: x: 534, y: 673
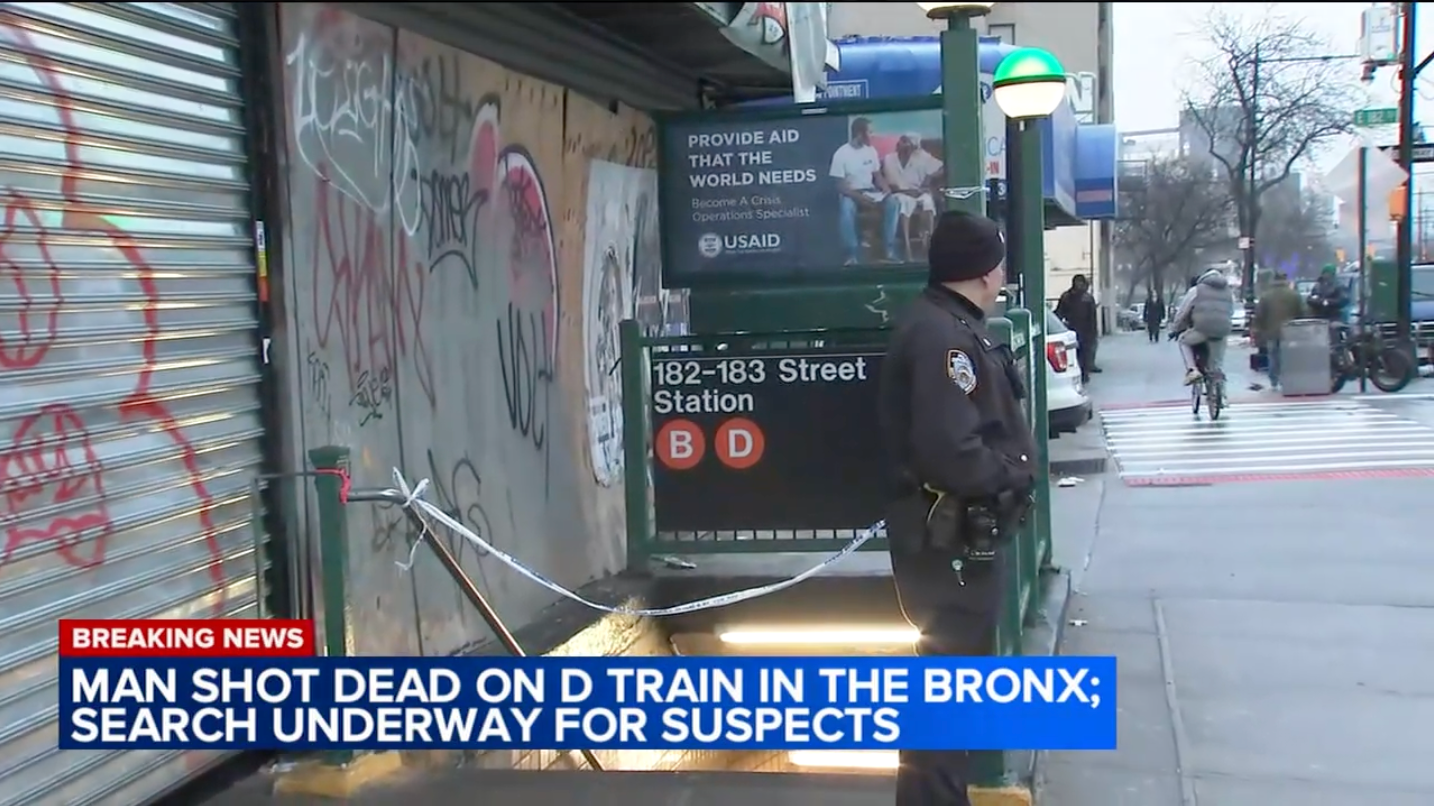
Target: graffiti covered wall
x: 448, y: 315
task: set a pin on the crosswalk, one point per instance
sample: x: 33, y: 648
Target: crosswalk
x: 1166, y: 444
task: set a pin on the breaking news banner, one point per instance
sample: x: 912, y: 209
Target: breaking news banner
x: 255, y: 685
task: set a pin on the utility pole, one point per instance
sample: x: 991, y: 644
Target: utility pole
x: 1252, y: 154
x: 1404, y: 254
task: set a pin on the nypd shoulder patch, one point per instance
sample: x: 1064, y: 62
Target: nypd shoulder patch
x: 961, y: 371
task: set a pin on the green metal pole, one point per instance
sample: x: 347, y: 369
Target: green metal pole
x: 636, y: 436
x: 966, y: 170
x: 332, y: 462
x: 1029, y: 204
x: 988, y: 767
x: 961, y: 115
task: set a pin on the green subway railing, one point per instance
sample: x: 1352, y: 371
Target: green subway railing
x: 1031, y: 551
x: 643, y: 539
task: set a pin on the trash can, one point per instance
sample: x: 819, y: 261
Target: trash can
x: 1304, y: 358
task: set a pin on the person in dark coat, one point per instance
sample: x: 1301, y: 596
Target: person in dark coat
x: 1078, y: 310
x: 1154, y: 316
x: 962, y: 459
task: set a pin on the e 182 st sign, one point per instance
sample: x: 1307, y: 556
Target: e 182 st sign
x: 767, y: 440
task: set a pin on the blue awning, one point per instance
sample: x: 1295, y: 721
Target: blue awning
x: 1078, y: 161
x: 1096, y: 161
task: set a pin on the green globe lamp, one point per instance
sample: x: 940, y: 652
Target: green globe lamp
x: 1029, y: 83
x: 938, y: 11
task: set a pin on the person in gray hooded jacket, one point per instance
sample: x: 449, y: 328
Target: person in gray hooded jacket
x: 1204, y: 317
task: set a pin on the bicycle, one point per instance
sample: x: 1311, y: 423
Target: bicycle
x: 1362, y: 352
x: 1211, y: 386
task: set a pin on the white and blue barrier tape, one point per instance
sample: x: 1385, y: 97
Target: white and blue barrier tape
x: 413, y: 499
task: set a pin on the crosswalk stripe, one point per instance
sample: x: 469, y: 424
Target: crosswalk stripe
x: 1266, y: 438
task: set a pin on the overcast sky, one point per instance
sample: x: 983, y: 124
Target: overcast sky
x: 1156, y: 42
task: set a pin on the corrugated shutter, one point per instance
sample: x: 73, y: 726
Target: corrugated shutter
x: 544, y: 41
x: 129, y: 369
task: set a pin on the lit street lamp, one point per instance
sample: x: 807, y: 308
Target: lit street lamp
x: 1029, y: 83
x: 961, y: 104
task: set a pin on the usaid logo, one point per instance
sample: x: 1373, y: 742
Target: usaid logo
x: 710, y: 245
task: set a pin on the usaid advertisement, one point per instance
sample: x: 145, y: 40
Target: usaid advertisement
x: 812, y: 195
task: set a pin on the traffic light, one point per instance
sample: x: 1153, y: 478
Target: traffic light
x: 1397, y: 208
x: 1367, y: 76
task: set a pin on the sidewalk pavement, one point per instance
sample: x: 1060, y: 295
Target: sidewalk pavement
x: 1274, y: 637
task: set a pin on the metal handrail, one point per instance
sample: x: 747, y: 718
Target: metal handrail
x: 460, y: 577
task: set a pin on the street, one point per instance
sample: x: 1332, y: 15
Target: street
x: 1264, y: 581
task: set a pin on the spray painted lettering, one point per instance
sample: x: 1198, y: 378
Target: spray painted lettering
x: 637, y: 148
x: 372, y: 392
x: 459, y: 492
x: 373, y: 315
x: 527, y: 331
x: 342, y: 80
x: 450, y: 213
x: 432, y: 104
x: 318, y: 374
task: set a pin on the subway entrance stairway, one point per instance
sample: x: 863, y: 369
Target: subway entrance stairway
x: 818, y: 617
x: 519, y: 787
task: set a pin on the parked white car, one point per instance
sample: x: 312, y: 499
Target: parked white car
x: 1239, y: 323
x: 1067, y: 403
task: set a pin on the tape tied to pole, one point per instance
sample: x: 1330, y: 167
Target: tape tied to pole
x: 427, y: 514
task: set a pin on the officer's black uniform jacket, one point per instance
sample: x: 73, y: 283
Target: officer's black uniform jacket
x: 950, y: 410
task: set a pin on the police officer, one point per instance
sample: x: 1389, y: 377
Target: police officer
x: 962, y: 453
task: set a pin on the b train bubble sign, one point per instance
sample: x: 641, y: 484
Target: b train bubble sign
x: 790, y: 434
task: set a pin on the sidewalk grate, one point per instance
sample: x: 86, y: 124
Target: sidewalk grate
x: 1165, y: 445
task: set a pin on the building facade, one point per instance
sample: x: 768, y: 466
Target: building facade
x: 239, y: 239
x: 1082, y: 37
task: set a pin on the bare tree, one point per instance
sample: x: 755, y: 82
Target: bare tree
x: 1264, y: 103
x: 1169, y: 213
x: 1297, y: 227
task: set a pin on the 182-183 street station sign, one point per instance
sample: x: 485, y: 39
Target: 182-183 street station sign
x: 779, y: 439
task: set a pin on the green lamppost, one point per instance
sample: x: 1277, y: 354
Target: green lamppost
x: 961, y: 104
x: 1029, y: 84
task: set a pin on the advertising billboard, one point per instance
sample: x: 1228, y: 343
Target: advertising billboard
x: 810, y: 194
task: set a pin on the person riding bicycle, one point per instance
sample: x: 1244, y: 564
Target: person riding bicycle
x: 1329, y: 299
x: 1205, y: 316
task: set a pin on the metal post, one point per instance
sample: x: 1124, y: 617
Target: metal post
x: 636, y: 452
x: 332, y: 462
x: 1363, y: 202
x: 1015, y: 260
x: 961, y: 115
x: 1251, y: 169
x: 1404, y: 259
x: 1030, y: 207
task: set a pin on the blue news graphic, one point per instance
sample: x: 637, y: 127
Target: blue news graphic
x: 719, y: 703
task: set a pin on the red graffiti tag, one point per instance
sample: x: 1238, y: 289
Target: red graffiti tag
x: 51, y: 449
x: 378, y: 313
x: 38, y: 318
x: 52, y: 464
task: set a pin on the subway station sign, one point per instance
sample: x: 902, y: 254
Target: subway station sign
x: 780, y: 439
